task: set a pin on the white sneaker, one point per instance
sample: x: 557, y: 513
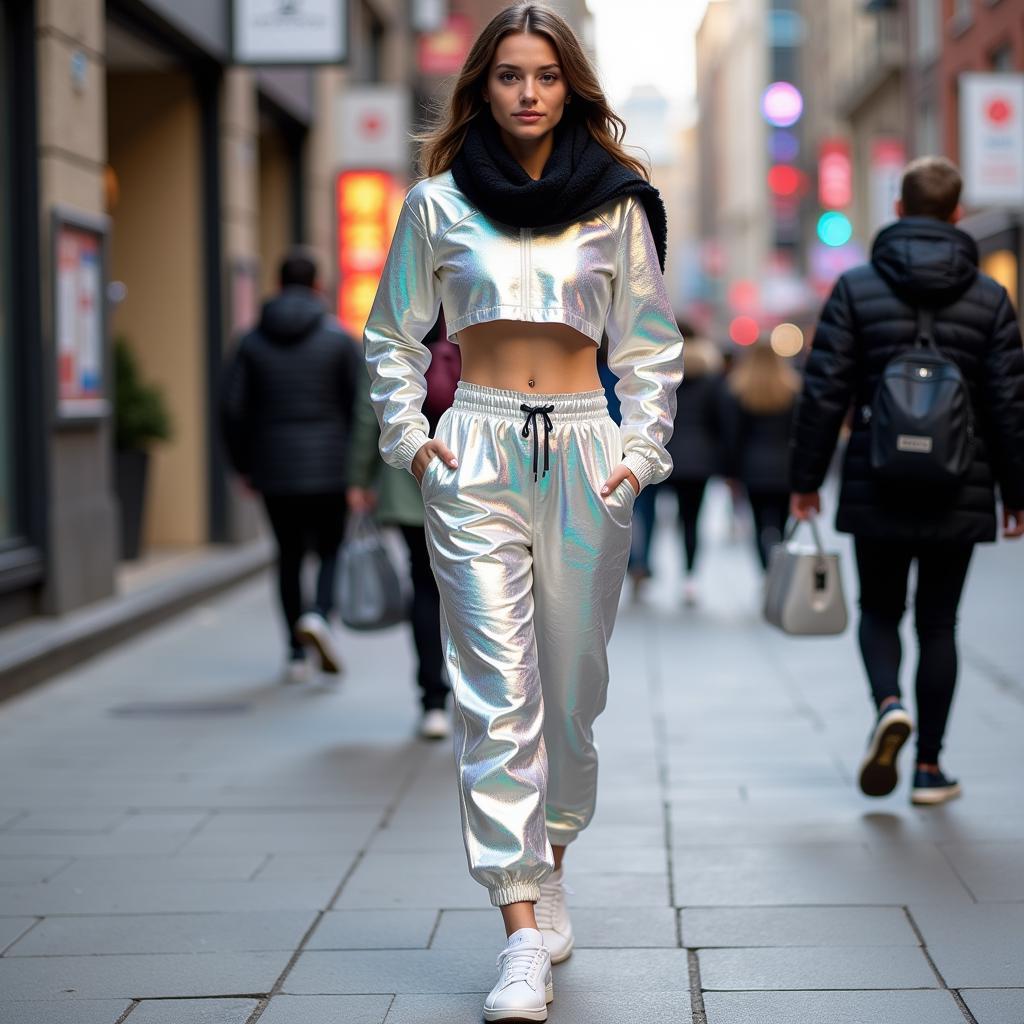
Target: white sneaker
x: 524, y: 987
x: 691, y: 596
x: 312, y: 629
x: 553, y: 917
x: 434, y: 725
x: 297, y: 670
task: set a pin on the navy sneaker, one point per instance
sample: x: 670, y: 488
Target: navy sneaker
x: 932, y: 787
x: 878, y: 774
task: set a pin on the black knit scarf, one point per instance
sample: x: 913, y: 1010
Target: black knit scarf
x: 580, y: 176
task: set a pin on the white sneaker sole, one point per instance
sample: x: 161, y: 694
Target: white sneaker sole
x: 523, y: 1015
x: 931, y: 797
x: 565, y: 954
x: 313, y: 632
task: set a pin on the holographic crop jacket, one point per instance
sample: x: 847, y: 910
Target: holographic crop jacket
x: 597, y: 274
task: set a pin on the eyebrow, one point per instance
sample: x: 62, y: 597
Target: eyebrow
x: 516, y: 67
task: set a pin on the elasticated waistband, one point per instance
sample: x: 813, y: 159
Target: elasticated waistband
x: 506, y: 404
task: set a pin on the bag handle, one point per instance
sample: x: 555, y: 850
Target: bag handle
x: 812, y: 522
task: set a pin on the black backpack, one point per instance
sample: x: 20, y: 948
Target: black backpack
x: 922, y: 423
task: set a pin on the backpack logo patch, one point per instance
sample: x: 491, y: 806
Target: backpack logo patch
x: 916, y: 444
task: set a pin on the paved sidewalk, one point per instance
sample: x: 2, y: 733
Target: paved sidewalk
x: 185, y: 841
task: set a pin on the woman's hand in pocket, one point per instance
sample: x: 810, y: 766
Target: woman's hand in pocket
x: 619, y: 474
x: 432, y: 449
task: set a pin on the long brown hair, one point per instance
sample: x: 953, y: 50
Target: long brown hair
x: 764, y: 383
x: 443, y: 140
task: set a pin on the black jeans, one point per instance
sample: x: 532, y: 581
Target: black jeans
x: 304, y: 522
x: 770, y: 510
x: 883, y: 567
x: 690, y: 496
x: 426, y: 621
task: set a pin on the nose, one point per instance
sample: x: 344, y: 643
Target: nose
x: 528, y: 90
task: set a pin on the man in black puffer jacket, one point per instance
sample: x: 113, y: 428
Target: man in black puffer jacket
x: 920, y: 261
x: 287, y: 405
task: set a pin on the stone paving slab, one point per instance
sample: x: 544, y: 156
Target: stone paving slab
x: 581, y: 1008
x: 594, y: 927
x: 374, y: 929
x: 991, y: 871
x: 980, y: 946
x: 837, y: 967
x: 145, y: 976
x: 89, y: 871
x: 832, y: 1008
x: 995, y: 1006
x: 12, y: 928
x: 327, y: 1010
x: 19, y: 870
x: 193, y: 1011
x: 796, y: 926
x: 45, y: 1011
x: 165, y: 933
x: 170, y: 897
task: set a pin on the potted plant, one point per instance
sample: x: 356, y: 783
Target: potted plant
x: 140, y: 419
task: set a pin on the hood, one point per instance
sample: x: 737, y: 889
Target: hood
x: 290, y: 316
x: 925, y: 261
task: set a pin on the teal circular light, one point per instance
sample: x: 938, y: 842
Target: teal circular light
x: 834, y: 228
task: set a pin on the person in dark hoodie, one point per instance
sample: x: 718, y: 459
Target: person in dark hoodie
x: 921, y: 261
x: 286, y: 409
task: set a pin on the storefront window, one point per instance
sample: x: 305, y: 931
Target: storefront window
x: 7, y: 522
x: 1002, y: 265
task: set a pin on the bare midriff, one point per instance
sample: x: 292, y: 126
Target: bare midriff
x: 519, y: 356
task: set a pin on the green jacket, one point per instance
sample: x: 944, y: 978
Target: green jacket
x: 398, y: 494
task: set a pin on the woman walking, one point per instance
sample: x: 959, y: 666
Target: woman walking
x: 695, y: 446
x: 760, y: 401
x: 537, y: 233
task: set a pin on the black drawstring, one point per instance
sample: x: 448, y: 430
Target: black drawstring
x: 532, y: 411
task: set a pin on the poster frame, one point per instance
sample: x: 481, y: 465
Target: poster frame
x: 241, y: 60
x: 77, y: 411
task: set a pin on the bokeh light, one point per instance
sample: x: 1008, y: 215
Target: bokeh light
x: 743, y: 330
x: 834, y: 228
x: 784, y: 180
x: 783, y: 146
x: 782, y: 104
x: 787, y: 340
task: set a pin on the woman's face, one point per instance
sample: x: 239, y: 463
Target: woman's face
x: 526, y: 87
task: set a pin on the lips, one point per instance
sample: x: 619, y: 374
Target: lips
x: 528, y: 116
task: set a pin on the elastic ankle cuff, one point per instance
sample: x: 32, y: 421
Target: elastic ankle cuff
x: 515, y: 892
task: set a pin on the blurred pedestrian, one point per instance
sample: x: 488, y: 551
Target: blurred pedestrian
x: 923, y: 269
x: 696, y: 443
x: 395, y: 496
x: 286, y: 408
x: 535, y: 240
x: 757, y: 417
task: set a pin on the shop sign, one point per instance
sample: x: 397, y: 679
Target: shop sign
x: 79, y: 316
x: 373, y: 122
x: 887, y: 160
x: 289, y: 32
x: 992, y: 138
x: 444, y: 52
x: 366, y: 208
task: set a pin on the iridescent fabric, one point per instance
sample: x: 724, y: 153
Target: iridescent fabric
x: 599, y: 273
x: 529, y: 572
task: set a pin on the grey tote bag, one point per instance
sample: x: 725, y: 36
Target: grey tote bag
x: 804, y: 588
x: 370, y: 594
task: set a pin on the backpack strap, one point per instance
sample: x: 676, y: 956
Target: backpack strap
x: 925, y: 327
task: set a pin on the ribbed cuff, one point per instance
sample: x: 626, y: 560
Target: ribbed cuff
x: 642, y: 468
x: 406, y: 449
x: 515, y: 892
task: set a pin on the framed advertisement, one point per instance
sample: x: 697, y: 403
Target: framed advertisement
x: 79, y: 281
x: 289, y: 33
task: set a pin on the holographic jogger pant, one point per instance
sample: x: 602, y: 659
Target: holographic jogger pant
x: 529, y: 563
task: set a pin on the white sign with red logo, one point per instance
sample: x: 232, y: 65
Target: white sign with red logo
x: 992, y: 138
x: 374, y: 128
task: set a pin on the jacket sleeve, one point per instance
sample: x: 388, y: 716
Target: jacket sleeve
x: 829, y: 380
x: 645, y: 350
x: 1004, y: 402
x: 364, y: 459
x: 234, y: 410
x: 404, y: 310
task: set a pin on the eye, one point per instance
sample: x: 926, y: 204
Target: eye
x: 549, y: 77
x: 506, y: 76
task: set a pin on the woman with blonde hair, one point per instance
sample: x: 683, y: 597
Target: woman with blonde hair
x: 758, y: 415
x: 537, y: 233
